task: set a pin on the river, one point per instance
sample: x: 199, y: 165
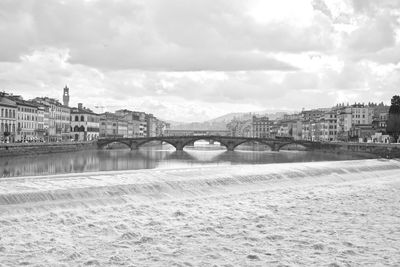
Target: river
x: 158, y: 207
x: 152, y: 157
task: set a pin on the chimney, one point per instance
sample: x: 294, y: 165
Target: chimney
x: 80, y: 106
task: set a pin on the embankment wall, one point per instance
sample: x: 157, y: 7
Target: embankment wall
x: 21, y: 149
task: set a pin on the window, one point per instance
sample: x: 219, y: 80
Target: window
x: 82, y: 118
x: 76, y: 118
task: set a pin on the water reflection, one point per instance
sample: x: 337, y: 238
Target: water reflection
x: 148, y: 158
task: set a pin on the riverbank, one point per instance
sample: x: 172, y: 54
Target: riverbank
x: 292, y: 214
x: 23, y: 149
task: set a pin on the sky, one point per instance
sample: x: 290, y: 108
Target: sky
x: 186, y: 60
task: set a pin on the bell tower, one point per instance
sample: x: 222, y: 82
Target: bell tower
x: 66, y: 96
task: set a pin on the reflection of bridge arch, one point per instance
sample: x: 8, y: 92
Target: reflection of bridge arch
x: 105, y: 144
x: 304, y: 145
x: 271, y: 146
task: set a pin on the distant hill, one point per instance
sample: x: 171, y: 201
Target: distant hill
x: 220, y: 123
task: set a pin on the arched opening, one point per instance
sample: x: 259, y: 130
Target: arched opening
x: 253, y: 146
x: 156, y: 145
x: 205, y: 144
x: 82, y: 118
x: 76, y: 128
x: 76, y: 118
x: 116, y: 145
x: 82, y: 128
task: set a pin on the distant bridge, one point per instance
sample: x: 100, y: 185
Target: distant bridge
x: 179, y: 142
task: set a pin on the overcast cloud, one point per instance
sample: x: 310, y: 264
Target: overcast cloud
x: 187, y: 60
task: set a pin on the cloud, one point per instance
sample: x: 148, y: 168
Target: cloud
x: 194, y: 60
x: 377, y: 34
x: 171, y: 35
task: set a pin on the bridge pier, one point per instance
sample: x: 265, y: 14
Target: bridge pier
x: 134, y: 146
x: 275, y: 147
x: 179, y: 145
x: 230, y: 146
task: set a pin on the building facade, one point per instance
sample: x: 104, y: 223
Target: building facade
x: 261, y: 127
x: 8, y: 119
x: 27, y: 113
x: 57, y: 119
x: 85, y: 124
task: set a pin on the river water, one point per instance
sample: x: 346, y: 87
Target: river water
x: 157, y: 207
x: 151, y: 157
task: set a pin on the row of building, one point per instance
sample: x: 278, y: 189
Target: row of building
x: 47, y: 119
x: 357, y: 122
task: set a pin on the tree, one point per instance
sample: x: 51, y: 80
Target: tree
x: 393, y: 123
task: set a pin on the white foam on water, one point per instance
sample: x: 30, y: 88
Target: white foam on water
x: 343, y: 213
x: 39, y: 193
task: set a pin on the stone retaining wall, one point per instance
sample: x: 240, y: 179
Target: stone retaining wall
x: 21, y: 149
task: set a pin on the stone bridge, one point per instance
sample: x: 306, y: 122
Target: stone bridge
x: 179, y: 142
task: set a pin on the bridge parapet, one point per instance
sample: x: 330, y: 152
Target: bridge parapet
x: 179, y: 142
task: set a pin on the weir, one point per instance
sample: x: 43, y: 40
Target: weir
x: 33, y: 194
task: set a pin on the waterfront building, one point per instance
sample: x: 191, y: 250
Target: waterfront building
x: 329, y: 126
x: 85, y: 124
x: 306, y: 130
x: 137, y: 121
x: 56, y: 121
x: 284, y: 129
x: 130, y: 128
x: 27, y: 112
x: 122, y: 127
x: 261, y: 127
x: 380, y: 117
x: 40, y: 129
x: 8, y: 119
x: 151, y: 124
x: 350, y: 116
x: 108, y: 125
x: 114, y: 125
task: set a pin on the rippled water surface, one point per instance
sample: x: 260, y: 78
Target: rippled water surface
x: 150, y: 158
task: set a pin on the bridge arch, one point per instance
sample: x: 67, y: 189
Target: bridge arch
x: 109, y: 142
x: 207, y: 138
x: 138, y: 144
x: 271, y: 146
